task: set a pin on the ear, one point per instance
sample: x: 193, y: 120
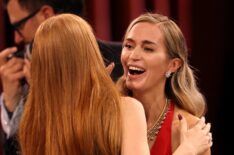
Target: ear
x: 174, y: 64
x: 46, y: 11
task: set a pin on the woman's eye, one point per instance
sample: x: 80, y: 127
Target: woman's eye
x: 148, y: 49
x: 128, y: 46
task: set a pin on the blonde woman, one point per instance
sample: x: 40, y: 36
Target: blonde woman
x: 157, y: 73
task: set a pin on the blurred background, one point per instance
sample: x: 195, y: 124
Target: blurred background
x: 208, y: 28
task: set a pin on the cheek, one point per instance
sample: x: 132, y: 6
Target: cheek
x: 124, y: 58
x: 31, y: 27
x: 28, y: 33
x: 158, y: 68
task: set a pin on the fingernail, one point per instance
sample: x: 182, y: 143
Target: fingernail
x: 180, y: 117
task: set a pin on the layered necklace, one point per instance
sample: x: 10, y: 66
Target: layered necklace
x: 154, y: 130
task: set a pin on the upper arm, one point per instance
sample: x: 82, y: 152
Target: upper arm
x: 134, y: 138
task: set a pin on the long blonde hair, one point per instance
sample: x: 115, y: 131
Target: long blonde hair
x: 181, y: 86
x: 73, y: 107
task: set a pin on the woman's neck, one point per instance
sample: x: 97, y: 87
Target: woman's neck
x: 153, y: 104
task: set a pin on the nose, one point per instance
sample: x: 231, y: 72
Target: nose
x: 18, y: 37
x: 135, y: 54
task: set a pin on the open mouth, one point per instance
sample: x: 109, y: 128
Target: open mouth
x: 135, y: 70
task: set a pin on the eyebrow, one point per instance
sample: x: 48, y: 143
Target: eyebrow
x: 149, y: 42
x: 144, y: 41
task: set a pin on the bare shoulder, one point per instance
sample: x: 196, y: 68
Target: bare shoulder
x: 132, y: 112
x: 130, y: 105
x: 133, y: 117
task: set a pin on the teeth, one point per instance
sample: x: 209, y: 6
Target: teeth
x: 136, y: 68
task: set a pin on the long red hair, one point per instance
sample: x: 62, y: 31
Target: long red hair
x: 73, y: 106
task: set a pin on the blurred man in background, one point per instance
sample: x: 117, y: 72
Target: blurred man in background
x: 25, y: 17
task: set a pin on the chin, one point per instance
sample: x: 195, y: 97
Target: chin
x: 133, y: 87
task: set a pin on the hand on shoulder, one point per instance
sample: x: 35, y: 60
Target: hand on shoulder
x: 194, y: 134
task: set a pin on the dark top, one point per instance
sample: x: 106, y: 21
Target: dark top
x: 111, y: 52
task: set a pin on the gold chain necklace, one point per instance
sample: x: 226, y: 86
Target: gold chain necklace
x: 154, y: 130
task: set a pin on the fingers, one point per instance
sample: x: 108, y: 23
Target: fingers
x: 183, y: 123
x: 26, y: 70
x: 110, y: 68
x: 14, y: 64
x: 210, y: 135
x: 5, y: 54
x: 27, y: 63
x: 12, y: 69
x: 198, y: 137
x: 210, y: 139
x: 206, y: 129
x: 201, y: 123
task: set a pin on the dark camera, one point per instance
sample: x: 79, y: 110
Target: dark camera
x: 19, y: 54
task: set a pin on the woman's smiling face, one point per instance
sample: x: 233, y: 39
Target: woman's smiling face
x: 144, y: 57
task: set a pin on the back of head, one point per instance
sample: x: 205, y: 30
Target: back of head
x: 181, y: 86
x: 59, y: 6
x: 69, y: 85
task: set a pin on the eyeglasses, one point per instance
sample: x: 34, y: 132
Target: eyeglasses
x: 18, y: 25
